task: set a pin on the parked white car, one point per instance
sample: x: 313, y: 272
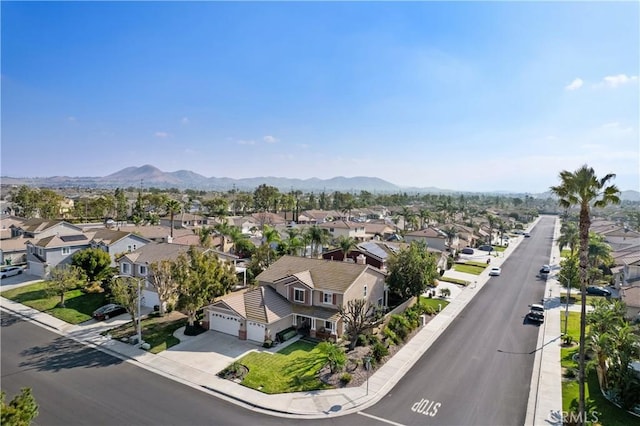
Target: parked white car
x: 495, y: 271
x: 10, y: 271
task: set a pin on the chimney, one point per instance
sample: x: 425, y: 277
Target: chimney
x: 361, y: 259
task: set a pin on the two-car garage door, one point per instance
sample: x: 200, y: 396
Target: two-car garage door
x: 224, y: 323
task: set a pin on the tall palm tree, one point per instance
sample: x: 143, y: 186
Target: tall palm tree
x: 584, y: 189
x: 569, y: 237
x: 270, y: 235
x: 173, y: 207
x: 317, y: 237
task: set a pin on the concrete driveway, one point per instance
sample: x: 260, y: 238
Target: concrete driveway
x: 18, y: 281
x: 210, y: 351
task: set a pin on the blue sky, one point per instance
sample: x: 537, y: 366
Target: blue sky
x: 475, y: 96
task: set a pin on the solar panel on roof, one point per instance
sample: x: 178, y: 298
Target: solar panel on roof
x: 374, y: 249
x: 68, y: 238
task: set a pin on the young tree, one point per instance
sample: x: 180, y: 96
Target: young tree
x: 411, y: 271
x: 20, y: 411
x: 201, y: 277
x: 584, y: 189
x: 64, y: 278
x: 95, y: 263
x: 126, y: 292
x: 162, y: 278
x: 358, y: 316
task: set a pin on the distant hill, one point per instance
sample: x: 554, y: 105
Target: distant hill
x: 151, y: 176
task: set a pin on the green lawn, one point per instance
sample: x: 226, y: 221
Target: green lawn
x: 433, y: 302
x: 565, y: 253
x: 78, y: 305
x: 597, y: 405
x: 575, y: 297
x: 474, y: 268
x: 156, y: 331
x: 292, y: 369
x: 499, y: 248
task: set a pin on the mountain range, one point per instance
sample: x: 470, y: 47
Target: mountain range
x: 151, y: 176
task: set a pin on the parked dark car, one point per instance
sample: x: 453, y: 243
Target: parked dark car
x: 486, y: 247
x: 545, y: 269
x: 108, y: 311
x: 536, y: 313
x: 598, y: 291
x: 467, y: 250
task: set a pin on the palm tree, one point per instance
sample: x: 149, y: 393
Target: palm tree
x: 317, y: 237
x: 569, y: 237
x: 583, y: 188
x: 603, y: 322
x: 173, y: 207
x: 270, y: 235
x: 346, y: 245
x: 492, y: 222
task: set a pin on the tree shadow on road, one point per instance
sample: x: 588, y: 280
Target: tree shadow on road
x: 63, y: 353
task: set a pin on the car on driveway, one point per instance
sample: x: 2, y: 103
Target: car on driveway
x: 495, y: 271
x: 467, y: 250
x: 486, y: 247
x: 10, y: 271
x: 108, y: 311
x: 536, y: 313
x: 598, y: 291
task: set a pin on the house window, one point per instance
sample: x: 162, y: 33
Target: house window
x: 327, y: 298
x: 298, y: 295
x: 143, y: 270
x: 129, y: 249
x: 125, y: 268
x: 40, y: 251
x: 66, y: 250
x: 328, y: 325
x: 380, y: 302
x: 364, y: 293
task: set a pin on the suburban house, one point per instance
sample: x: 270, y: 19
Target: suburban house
x: 342, y: 228
x: 315, y: 217
x: 136, y: 264
x: 41, y: 228
x: 7, y: 223
x: 156, y: 233
x: 13, y: 251
x: 48, y: 252
x: 379, y: 229
x: 466, y: 236
x: 184, y: 220
x: 297, y: 292
x: 433, y: 237
x: 376, y: 253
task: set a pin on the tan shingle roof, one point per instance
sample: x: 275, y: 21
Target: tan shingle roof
x: 262, y: 304
x: 155, y: 252
x: 323, y: 274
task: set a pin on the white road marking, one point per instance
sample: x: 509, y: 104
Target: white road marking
x: 380, y: 419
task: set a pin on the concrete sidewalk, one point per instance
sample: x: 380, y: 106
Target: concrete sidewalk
x: 188, y: 362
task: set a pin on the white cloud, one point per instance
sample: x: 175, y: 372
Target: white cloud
x: 614, y: 81
x: 184, y: 121
x: 574, y: 85
x: 243, y: 142
x: 270, y: 139
x: 161, y: 134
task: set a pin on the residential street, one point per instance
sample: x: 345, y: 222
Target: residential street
x: 479, y: 370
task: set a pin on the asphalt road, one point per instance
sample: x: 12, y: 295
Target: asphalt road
x: 479, y: 371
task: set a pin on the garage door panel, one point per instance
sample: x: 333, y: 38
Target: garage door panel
x: 255, y: 331
x: 224, y: 323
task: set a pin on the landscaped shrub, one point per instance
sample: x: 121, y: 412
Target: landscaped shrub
x: 401, y: 326
x: 391, y: 335
x: 429, y: 310
x: 333, y: 354
x: 363, y: 340
x: 413, y: 316
x: 345, y: 378
x: 379, y: 351
x: 267, y: 343
x: 93, y: 287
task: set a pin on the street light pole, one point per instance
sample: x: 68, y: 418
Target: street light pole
x: 566, y: 311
